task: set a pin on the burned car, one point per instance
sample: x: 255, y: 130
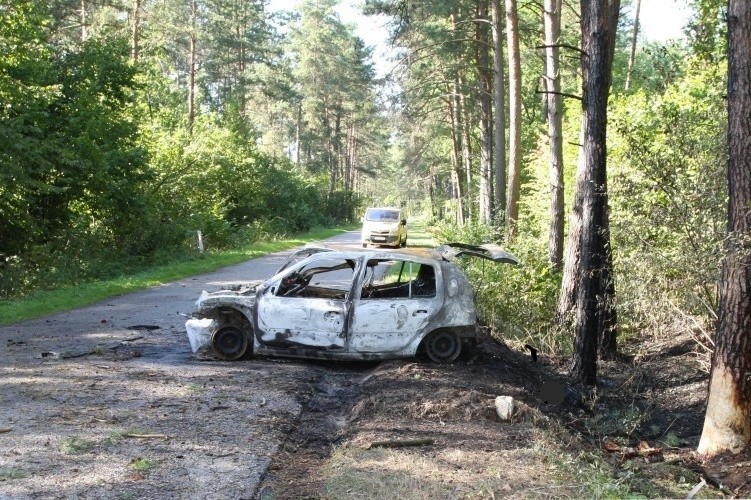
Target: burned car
x: 345, y: 303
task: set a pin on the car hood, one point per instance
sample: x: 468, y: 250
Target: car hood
x: 244, y: 294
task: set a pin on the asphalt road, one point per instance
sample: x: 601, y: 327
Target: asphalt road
x: 123, y: 367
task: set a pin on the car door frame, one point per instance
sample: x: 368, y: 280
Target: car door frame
x: 279, y: 339
x: 402, y: 320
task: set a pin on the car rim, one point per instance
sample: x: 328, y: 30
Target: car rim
x: 443, y: 347
x: 229, y: 342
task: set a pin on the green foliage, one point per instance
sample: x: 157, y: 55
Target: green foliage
x: 707, y: 30
x: 668, y: 197
x: 656, y: 67
x: 99, y: 174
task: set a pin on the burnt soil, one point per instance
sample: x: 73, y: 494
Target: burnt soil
x: 647, y: 411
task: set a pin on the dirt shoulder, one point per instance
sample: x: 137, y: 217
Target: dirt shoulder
x: 418, y: 430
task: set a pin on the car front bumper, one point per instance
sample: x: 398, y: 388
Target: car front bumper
x: 200, y: 331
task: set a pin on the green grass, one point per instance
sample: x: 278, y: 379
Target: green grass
x: 44, y: 303
x: 10, y: 473
x: 142, y: 465
x: 418, y: 235
x: 76, y: 445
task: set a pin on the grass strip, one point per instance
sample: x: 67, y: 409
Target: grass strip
x: 47, y: 302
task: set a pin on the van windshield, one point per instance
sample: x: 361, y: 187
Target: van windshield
x: 378, y: 214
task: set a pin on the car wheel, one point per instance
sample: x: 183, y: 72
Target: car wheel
x: 443, y: 347
x: 365, y: 245
x: 229, y: 342
x: 404, y: 243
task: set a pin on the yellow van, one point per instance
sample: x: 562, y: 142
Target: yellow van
x: 385, y: 226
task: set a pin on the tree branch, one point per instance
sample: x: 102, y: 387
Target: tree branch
x: 563, y: 94
x: 561, y: 46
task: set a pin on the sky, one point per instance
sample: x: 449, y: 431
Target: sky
x: 663, y: 20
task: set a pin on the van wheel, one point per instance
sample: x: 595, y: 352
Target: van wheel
x: 229, y: 342
x: 442, y: 346
x: 404, y: 243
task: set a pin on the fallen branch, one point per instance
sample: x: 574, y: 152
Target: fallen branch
x: 695, y: 489
x: 8, y: 429
x: 146, y: 436
x: 400, y: 443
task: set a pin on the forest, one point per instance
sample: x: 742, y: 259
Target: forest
x: 553, y: 128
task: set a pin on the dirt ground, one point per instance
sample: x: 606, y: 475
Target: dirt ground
x: 633, y: 435
x: 107, y: 403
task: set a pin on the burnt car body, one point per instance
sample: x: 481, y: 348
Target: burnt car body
x: 345, y: 303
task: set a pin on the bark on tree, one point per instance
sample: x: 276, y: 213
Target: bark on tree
x: 486, y: 111
x: 84, y: 20
x: 298, y: 140
x: 192, y: 65
x: 634, y: 36
x: 135, y: 47
x: 552, y: 25
x: 456, y: 177
x: 727, y: 424
x: 515, y: 115
x: 499, y: 114
x: 590, y: 235
x: 465, y: 119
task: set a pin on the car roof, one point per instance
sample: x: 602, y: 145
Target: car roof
x: 384, y: 208
x: 447, y: 252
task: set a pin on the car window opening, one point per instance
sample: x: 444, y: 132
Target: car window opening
x: 325, y: 280
x: 390, y: 279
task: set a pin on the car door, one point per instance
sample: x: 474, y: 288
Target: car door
x: 397, y: 299
x: 307, y: 306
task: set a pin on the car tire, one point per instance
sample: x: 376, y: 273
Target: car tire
x: 229, y: 342
x: 404, y: 243
x: 442, y: 346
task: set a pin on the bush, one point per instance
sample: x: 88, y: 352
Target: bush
x: 516, y: 302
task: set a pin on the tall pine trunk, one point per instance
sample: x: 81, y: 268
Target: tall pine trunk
x: 634, y: 36
x: 515, y: 115
x: 456, y: 143
x: 727, y: 424
x: 486, y: 112
x: 590, y: 232
x: 135, y: 40
x: 552, y: 22
x: 499, y: 115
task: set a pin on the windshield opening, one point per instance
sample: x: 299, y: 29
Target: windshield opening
x: 378, y: 215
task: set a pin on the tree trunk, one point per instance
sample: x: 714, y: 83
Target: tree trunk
x: 634, y: 36
x: 552, y: 23
x: 486, y: 111
x: 593, y: 310
x: 456, y: 151
x: 134, y: 47
x: 298, y: 131
x: 727, y: 424
x: 192, y: 66
x: 465, y: 119
x: 240, y: 31
x: 499, y: 116
x: 84, y: 20
x: 515, y: 115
